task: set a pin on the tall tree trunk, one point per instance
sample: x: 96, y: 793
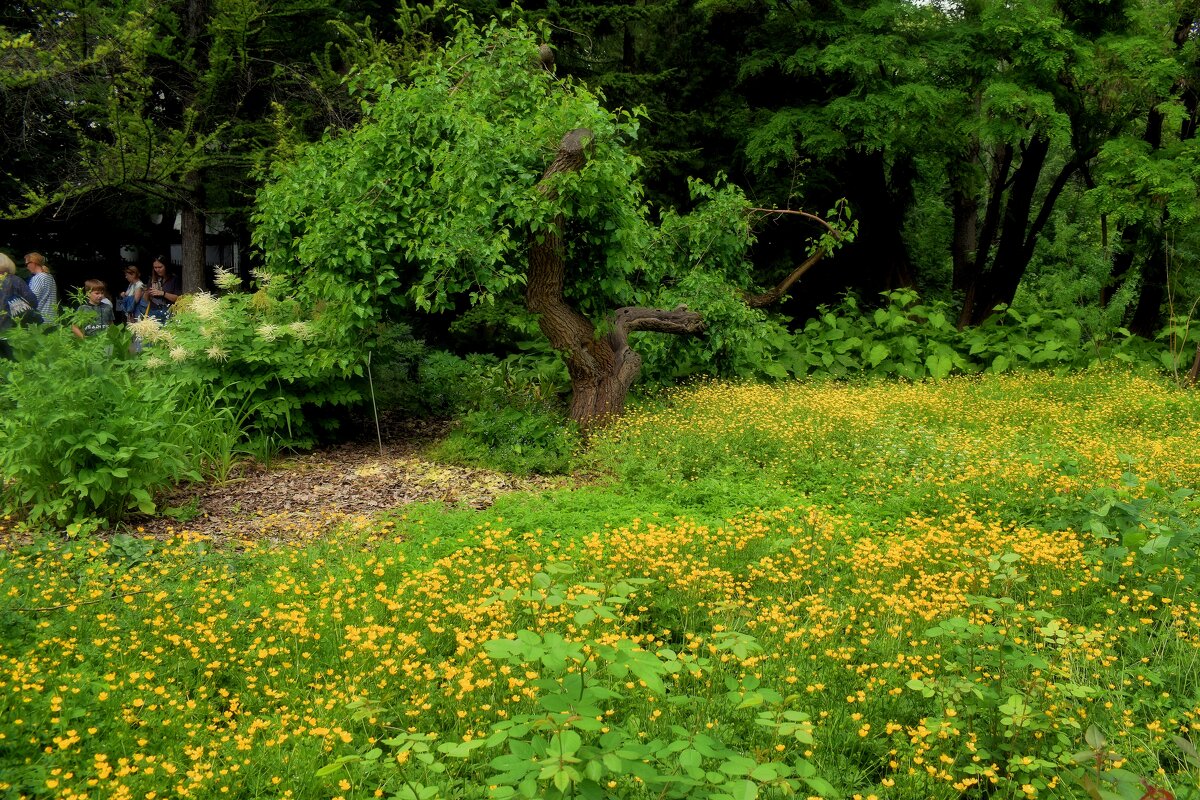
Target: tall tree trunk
x: 999, y: 284
x: 195, y: 20
x: 193, y: 232
x: 972, y: 273
x: 964, y: 204
x: 1147, y: 315
x: 881, y: 201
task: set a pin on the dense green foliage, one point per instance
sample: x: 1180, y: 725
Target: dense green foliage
x: 261, y: 347
x: 975, y: 581
x: 279, y: 384
x: 981, y: 144
x: 165, y: 107
x: 431, y: 201
x: 87, y: 433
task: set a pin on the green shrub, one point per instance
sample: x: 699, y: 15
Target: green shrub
x: 277, y: 361
x: 513, y: 440
x: 911, y: 339
x: 395, y: 362
x: 511, y: 411
x: 1180, y: 343
x: 449, y: 385
x: 88, y: 432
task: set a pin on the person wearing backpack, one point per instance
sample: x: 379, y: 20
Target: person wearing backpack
x: 17, y: 302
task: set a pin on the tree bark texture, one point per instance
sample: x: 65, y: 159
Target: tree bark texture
x: 602, y: 367
x: 193, y: 235
x: 998, y: 283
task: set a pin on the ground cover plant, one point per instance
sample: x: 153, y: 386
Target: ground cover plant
x: 982, y: 587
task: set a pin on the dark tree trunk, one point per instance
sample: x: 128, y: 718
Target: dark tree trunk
x: 1144, y: 236
x: 972, y: 272
x: 964, y: 179
x: 1147, y: 316
x: 998, y: 285
x: 964, y: 203
x: 602, y: 368
x: 192, y: 231
x: 195, y: 18
x: 881, y: 210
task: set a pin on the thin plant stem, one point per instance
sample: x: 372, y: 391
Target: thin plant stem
x: 374, y: 408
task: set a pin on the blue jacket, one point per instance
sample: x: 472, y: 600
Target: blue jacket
x: 13, y: 288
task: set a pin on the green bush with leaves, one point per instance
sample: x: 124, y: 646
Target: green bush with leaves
x: 912, y: 339
x: 510, y: 411
x: 1180, y: 346
x: 513, y: 440
x: 88, y: 432
x: 276, y: 359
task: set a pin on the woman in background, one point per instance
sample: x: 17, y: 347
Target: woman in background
x: 134, y: 298
x: 164, y: 290
x: 43, y: 285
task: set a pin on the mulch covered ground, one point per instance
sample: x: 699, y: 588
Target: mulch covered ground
x: 300, y: 496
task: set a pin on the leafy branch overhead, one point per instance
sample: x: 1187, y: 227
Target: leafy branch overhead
x: 485, y: 174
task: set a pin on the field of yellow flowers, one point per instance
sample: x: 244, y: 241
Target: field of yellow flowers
x: 976, y: 588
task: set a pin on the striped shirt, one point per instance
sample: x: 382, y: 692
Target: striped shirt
x: 43, y: 285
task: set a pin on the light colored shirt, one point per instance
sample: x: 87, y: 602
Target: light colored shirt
x: 45, y: 288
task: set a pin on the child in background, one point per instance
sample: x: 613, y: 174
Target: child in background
x: 134, y: 299
x: 97, y: 305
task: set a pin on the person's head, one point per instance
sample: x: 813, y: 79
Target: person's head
x: 161, y: 266
x: 132, y: 273
x: 7, y: 267
x: 36, y: 262
x: 96, y: 290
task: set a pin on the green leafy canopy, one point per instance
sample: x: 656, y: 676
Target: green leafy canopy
x: 434, y: 195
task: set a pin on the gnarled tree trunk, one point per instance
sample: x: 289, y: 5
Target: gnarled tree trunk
x: 602, y: 368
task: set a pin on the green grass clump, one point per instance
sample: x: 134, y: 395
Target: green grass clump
x: 981, y: 587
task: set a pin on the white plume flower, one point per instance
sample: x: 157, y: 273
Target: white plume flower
x: 262, y: 276
x: 268, y: 332
x: 217, y: 353
x: 226, y: 279
x: 204, y: 306
x: 300, y: 330
x: 179, y: 353
x: 145, y: 328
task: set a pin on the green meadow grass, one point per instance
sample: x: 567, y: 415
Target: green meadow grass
x: 975, y: 588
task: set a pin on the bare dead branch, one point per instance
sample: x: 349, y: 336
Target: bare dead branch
x: 806, y: 215
x: 772, y: 296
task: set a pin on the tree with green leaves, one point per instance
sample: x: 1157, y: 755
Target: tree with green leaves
x: 486, y: 175
x: 1147, y: 180
x: 982, y: 112
x: 176, y: 102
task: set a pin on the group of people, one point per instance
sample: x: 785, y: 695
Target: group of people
x: 37, y: 301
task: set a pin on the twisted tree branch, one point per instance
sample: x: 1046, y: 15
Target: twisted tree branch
x: 772, y: 296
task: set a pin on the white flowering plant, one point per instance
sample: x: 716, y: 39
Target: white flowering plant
x: 275, y: 357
